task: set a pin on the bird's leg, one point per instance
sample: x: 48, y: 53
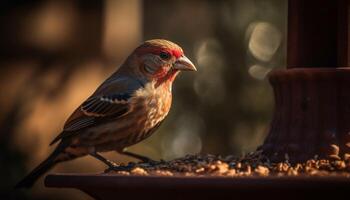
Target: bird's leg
x: 109, y: 163
x: 137, y: 156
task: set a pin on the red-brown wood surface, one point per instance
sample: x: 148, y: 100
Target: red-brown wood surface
x: 181, y: 187
x: 312, y: 109
x: 318, y: 32
x: 312, y: 112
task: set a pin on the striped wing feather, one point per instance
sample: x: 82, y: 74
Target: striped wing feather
x: 100, y: 108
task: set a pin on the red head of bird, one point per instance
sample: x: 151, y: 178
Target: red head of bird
x: 157, y: 60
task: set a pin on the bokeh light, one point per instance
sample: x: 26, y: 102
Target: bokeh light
x: 259, y: 72
x: 51, y: 25
x: 264, y: 40
x: 208, y: 82
x: 186, y: 137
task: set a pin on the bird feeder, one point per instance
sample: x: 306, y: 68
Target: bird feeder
x: 312, y: 96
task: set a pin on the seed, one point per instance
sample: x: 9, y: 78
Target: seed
x: 249, y: 170
x: 212, y: 167
x: 139, y: 171
x: 313, y: 172
x: 346, y: 156
x: 189, y: 174
x: 200, y: 170
x: 123, y: 172
x: 279, y: 167
x: 222, y: 168
x: 282, y: 167
x: 292, y: 172
x: 298, y: 167
x: 334, y: 149
x: 164, y: 173
x: 308, y: 169
x: 231, y: 172
x: 239, y: 165
x: 262, y: 171
x: 311, y: 163
x: 339, y: 164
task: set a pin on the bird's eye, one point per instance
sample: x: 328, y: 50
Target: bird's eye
x: 164, y: 55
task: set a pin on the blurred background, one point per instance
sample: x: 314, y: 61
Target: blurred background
x: 53, y: 55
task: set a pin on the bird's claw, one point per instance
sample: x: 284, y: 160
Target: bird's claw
x: 119, y: 168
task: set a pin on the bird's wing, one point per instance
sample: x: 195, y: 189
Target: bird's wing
x: 106, y: 105
x: 111, y: 100
x: 96, y: 108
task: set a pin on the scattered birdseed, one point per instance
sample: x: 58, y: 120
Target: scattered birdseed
x: 252, y: 164
x: 348, y: 144
x: 346, y: 156
x: 262, y: 171
x: 334, y: 149
x: 139, y: 171
x: 122, y: 172
x: 163, y: 173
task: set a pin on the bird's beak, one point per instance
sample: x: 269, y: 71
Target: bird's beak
x: 184, y: 64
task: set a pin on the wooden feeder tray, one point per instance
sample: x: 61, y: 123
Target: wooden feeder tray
x: 213, y: 177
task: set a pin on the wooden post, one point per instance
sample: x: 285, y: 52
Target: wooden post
x: 312, y: 109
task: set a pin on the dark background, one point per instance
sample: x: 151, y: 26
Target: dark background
x: 53, y: 54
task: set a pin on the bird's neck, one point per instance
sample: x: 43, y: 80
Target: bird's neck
x: 167, y: 79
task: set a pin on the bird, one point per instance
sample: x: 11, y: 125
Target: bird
x: 125, y: 109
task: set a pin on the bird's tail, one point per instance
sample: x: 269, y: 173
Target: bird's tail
x: 41, y: 169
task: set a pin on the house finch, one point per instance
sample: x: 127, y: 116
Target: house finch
x: 125, y: 109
